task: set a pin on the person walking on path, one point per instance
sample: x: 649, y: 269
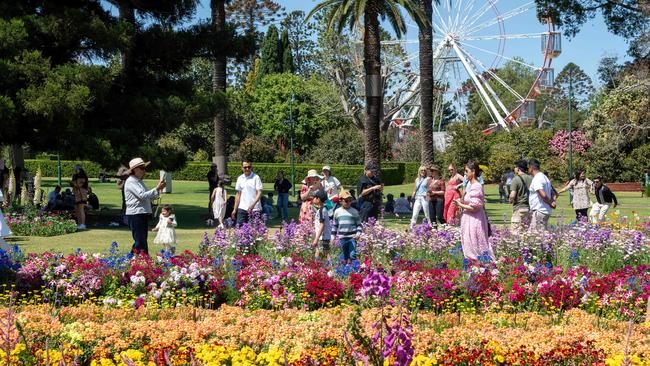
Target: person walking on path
x: 581, y: 187
x: 346, y: 227
x: 80, y: 190
x: 540, y: 197
x: 310, y: 184
x: 473, y: 222
x: 519, y: 197
x: 452, y: 192
x: 282, y: 187
x: 138, y: 204
x: 213, y: 182
x: 420, y: 196
x: 331, y: 185
x: 605, y: 199
x: 370, y: 190
x: 436, y: 197
x: 249, y: 193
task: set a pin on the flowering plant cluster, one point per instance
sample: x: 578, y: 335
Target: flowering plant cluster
x: 559, y: 143
x: 29, y: 221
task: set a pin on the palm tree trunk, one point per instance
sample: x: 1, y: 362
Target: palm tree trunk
x: 426, y: 85
x: 374, y: 88
x: 219, y: 86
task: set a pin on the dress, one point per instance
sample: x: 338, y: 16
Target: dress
x: 451, y: 193
x: 166, y: 231
x: 581, y: 190
x: 305, y: 209
x: 219, y: 204
x: 474, y: 226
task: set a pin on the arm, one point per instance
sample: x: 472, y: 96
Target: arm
x: 566, y: 187
x: 236, y: 206
x: 174, y: 222
x: 258, y: 196
x: 319, y: 232
x: 549, y: 201
x: 139, y: 192
x: 335, y: 226
x: 614, y: 199
x: 213, y: 196
x: 305, y: 195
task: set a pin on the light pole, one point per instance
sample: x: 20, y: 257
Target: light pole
x: 293, y: 168
x: 570, y: 122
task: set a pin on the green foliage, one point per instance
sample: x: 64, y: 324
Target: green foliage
x: 342, y: 145
x: 287, y: 58
x: 167, y: 153
x: 530, y: 142
x: 605, y: 160
x: 49, y: 167
x: 502, y: 158
x: 315, y: 109
x: 271, y: 59
x: 467, y: 143
x: 257, y: 148
x: 635, y: 164
x: 200, y: 156
x: 581, y: 86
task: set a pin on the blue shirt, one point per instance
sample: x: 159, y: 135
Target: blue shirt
x: 136, y: 196
x: 421, y: 186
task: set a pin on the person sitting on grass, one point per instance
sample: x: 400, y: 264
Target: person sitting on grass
x: 402, y: 206
x: 321, y: 225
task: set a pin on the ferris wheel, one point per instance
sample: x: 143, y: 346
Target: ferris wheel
x: 471, y: 40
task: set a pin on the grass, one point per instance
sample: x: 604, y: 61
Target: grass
x: 190, y: 202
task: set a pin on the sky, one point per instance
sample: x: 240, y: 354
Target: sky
x: 585, y: 49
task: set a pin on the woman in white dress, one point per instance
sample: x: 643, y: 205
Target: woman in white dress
x: 4, y: 228
x: 166, y: 229
x: 219, y: 198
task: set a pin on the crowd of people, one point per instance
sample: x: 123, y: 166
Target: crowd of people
x: 337, y: 214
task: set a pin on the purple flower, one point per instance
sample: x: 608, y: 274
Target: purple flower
x: 376, y: 284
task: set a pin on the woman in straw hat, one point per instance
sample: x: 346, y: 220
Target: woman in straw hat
x: 138, y: 204
x: 310, y: 184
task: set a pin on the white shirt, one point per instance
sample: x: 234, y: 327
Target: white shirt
x: 136, y: 196
x: 248, y: 187
x: 540, y: 181
x: 331, y: 186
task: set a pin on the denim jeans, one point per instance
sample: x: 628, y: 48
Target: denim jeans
x: 368, y: 210
x: 242, y: 216
x: 283, y: 204
x: 349, y: 248
x: 139, y: 225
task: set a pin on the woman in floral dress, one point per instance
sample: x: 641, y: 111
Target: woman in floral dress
x: 473, y: 223
x: 452, y: 192
x: 310, y: 184
x: 581, y: 200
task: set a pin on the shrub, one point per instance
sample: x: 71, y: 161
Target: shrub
x: 343, y: 145
x: 605, y: 160
x: 467, y: 143
x: 201, y: 155
x: 256, y: 148
x: 635, y: 164
x: 49, y: 167
x: 502, y: 158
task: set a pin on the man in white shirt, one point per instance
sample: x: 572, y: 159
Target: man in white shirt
x: 540, y: 197
x: 249, y: 192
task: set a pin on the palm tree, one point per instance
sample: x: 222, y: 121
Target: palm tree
x: 426, y: 83
x: 219, y: 75
x: 352, y: 12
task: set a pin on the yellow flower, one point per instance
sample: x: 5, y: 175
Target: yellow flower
x: 421, y: 360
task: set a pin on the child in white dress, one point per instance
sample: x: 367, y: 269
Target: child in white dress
x: 219, y: 198
x: 4, y: 227
x: 166, y: 229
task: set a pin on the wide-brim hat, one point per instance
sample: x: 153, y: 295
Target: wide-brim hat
x: 435, y: 168
x: 312, y: 173
x: 137, y: 162
x: 344, y: 194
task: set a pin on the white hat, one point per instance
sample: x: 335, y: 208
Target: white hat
x: 328, y: 168
x: 312, y: 173
x: 134, y: 163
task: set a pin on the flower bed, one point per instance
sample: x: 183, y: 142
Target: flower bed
x: 232, y: 335
x: 33, y: 222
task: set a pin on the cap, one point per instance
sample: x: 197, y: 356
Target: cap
x: 327, y: 167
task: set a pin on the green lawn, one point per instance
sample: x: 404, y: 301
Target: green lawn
x: 190, y: 200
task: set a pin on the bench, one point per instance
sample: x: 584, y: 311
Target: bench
x: 626, y: 187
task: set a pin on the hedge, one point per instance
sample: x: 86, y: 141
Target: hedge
x: 49, y: 167
x: 391, y: 173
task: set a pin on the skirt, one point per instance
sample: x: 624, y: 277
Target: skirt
x: 166, y: 235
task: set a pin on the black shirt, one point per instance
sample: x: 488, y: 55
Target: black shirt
x: 282, y: 186
x: 364, y: 183
x: 605, y: 196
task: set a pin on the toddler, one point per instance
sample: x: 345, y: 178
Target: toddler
x: 321, y: 224
x: 166, y: 229
x: 219, y: 198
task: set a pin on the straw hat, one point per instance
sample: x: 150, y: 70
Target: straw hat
x: 137, y: 162
x: 312, y: 173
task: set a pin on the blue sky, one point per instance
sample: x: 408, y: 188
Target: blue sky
x: 586, y: 49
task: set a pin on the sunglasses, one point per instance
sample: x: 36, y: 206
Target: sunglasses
x: 246, y: 167
x: 348, y: 199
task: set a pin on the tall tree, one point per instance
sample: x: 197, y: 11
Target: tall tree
x: 349, y: 13
x: 301, y: 39
x: 287, y: 56
x: 425, y: 39
x: 271, y: 58
x: 582, y: 87
x: 219, y: 79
